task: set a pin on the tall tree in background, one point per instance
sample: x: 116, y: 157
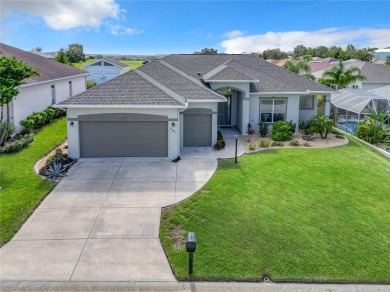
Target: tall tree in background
x: 340, y: 76
x: 38, y: 49
x: 75, y: 53
x: 12, y: 74
x: 207, y: 51
x: 301, y: 67
x: 61, y: 57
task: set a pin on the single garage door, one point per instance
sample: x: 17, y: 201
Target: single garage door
x: 128, y: 137
x: 197, y: 127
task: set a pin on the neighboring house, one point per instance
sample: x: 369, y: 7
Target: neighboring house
x: 378, y: 77
x: 181, y: 100
x: 105, y: 69
x: 45, y: 55
x: 56, y: 83
x: 381, y: 55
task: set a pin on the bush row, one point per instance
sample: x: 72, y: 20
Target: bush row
x: 38, y: 120
x: 17, y: 144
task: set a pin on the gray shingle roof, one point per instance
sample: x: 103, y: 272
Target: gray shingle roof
x: 226, y: 72
x: 48, y: 69
x: 271, y: 78
x: 178, y: 83
x: 126, y: 89
x: 175, y: 80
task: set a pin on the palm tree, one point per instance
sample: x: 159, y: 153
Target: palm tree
x: 341, y: 76
x: 301, y: 67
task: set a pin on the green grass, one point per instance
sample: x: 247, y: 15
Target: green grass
x: 21, y: 189
x: 293, y: 214
x: 80, y: 64
x: 133, y: 64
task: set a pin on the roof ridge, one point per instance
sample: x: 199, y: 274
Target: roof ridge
x: 216, y: 70
x: 239, y: 71
x: 160, y: 86
x: 187, y: 76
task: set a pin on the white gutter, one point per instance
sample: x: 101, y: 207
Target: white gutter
x: 206, y: 100
x: 52, y: 80
x: 303, y: 92
x: 117, y: 106
x: 231, y: 81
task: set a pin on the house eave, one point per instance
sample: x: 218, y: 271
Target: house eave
x: 295, y: 93
x: 117, y: 106
x: 53, y: 80
x: 206, y: 100
x: 231, y: 81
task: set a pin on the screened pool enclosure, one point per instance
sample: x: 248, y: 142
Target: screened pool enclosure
x: 351, y: 106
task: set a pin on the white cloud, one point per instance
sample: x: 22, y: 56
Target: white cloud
x: 117, y: 29
x: 66, y: 14
x: 286, y: 41
x: 233, y: 34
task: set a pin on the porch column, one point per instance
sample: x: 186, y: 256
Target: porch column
x: 245, y: 114
x: 326, y: 105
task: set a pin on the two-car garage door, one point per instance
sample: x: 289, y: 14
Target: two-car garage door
x: 130, y: 135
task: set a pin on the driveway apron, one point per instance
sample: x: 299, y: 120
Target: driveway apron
x: 101, y: 222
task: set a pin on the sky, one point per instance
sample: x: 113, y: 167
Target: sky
x: 163, y: 27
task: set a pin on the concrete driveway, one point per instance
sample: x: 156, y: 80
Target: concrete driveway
x: 101, y: 222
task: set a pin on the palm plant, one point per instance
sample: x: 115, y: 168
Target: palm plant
x: 373, y: 130
x: 341, y: 76
x: 301, y: 67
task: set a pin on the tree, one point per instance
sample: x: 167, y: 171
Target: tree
x: 61, y: 57
x: 38, y: 49
x: 373, y: 130
x: 12, y: 74
x: 276, y: 54
x: 387, y: 60
x: 340, y: 76
x: 301, y: 67
x: 75, y: 53
x: 207, y: 51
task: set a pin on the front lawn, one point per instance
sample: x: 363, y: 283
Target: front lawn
x: 293, y: 214
x: 21, y: 190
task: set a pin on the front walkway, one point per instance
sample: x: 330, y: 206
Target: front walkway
x: 101, y: 222
x: 229, y: 134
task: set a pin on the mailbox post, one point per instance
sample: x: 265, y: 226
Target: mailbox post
x: 190, y: 247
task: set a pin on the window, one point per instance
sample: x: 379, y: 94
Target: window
x: 96, y: 64
x: 273, y: 110
x: 70, y: 89
x: 306, y: 102
x: 53, y: 94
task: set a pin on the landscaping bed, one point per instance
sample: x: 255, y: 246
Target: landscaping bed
x: 297, y: 214
x: 333, y: 140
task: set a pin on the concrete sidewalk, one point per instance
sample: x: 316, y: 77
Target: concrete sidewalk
x: 188, y: 287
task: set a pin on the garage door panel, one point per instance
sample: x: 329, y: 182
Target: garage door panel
x: 131, y: 139
x: 197, y: 129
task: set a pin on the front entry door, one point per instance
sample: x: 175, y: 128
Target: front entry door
x: 224, y: 112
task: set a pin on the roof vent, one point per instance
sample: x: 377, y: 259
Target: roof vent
x: 200, y: 74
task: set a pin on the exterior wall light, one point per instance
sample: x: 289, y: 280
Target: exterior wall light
x: 173, y: 124
x: 71, y: 124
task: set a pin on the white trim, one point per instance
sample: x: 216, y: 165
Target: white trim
x: 231, y: 81
x: 110, y: 106
x: 302, y: 92
x: 98, y: 60
x: 206, y: 100
x: 52, y: 80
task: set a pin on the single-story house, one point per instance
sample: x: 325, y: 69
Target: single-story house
x: 181, y: 100
x: 56, y: 83
x: 377, y: 77
x: 102, y: 70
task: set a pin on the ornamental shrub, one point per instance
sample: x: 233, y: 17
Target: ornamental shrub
x: 17, y: 144
x: 281, y: 131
